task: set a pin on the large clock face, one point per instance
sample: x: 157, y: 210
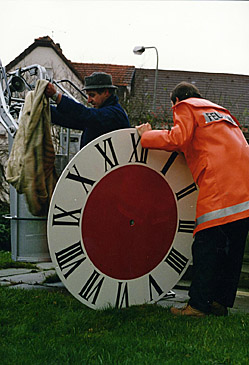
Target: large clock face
x: 121, y: 222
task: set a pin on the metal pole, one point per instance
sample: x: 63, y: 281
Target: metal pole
x: 156, y: 77
x: 155, y: 83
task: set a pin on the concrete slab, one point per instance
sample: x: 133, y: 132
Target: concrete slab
x: 241, y: 303
x: 5, y: 283
x: 29, y: 287
x: 181, y: 297
x: 55, y: 285
x: 28, y: 278
x: 13, y: 272
x: 45, y: 266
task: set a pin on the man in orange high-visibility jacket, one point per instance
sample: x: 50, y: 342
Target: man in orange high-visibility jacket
x: 217, y: 154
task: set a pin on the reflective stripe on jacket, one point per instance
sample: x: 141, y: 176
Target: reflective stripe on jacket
x: 217, y: 154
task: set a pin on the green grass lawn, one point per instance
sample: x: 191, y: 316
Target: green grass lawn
x: 6, y: 262
x: 41, y: 327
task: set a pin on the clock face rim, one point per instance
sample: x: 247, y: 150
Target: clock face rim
x: 68, y: 282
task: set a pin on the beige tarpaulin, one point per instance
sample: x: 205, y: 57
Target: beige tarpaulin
x: 30, y: 167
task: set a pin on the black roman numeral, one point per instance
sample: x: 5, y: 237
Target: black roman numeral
x: 70, y: 258
x: 153, y: 283
x: 59, y: 221
x: 143, y: 154
x: 90, y: 289
x: 113, y: 161
x: 186, y: 226
x: 169, y: 162
x: 122, y: 299
x: 79, y: 178
x: 186, y: 191
x: 176, y: 260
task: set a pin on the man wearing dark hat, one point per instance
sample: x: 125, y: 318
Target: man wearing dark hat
x: 106, y: 115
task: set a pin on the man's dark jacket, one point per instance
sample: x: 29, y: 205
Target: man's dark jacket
x: 93, y: 122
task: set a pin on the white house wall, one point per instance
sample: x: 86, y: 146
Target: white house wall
x: 48, y: 58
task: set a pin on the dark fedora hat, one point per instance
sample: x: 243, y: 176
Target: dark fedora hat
x: 98, y: 80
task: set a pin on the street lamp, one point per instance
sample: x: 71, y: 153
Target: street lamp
x: 140, y: 50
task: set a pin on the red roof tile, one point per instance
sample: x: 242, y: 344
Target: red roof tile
x: 121, y: 75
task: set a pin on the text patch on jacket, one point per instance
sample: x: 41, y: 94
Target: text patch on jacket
x: 216, y: 116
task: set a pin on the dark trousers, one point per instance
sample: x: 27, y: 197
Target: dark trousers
x: 217, y: 261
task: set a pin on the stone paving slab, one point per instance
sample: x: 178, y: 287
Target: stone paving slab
x: 29, y: 287
x: 28, y: 278
x: 45, y: 265
x: 56, y: 285
x: 241, y: 302
x: 181, y: 297
x: 12, y: 272
x: 50, y: 287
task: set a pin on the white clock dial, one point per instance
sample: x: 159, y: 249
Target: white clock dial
x: 121, y: 221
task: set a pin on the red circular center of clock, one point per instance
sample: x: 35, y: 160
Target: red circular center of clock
x: 129, y: 222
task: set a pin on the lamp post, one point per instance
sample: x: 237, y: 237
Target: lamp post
x: 140, y: 50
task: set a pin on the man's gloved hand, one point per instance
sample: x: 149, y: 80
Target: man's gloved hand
x: 50, y: 90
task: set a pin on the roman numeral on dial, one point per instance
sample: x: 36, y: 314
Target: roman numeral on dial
x: 77, y: 177
x: 58, y: 218
x: 154, y: 284
x: 186, y: 191
x: 112, y: 161
x: 143, y: 153
x: 176, y: 260
x: 70, y: 258
x: 186, y: 226
x: 122, y: 299
x: 169, y: 162
x: 92, y: 287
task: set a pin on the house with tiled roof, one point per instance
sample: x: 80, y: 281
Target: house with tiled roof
x: 49, y: 55
x: 45, y: 53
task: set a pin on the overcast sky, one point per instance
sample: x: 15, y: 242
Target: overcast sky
x: 208, y: 36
